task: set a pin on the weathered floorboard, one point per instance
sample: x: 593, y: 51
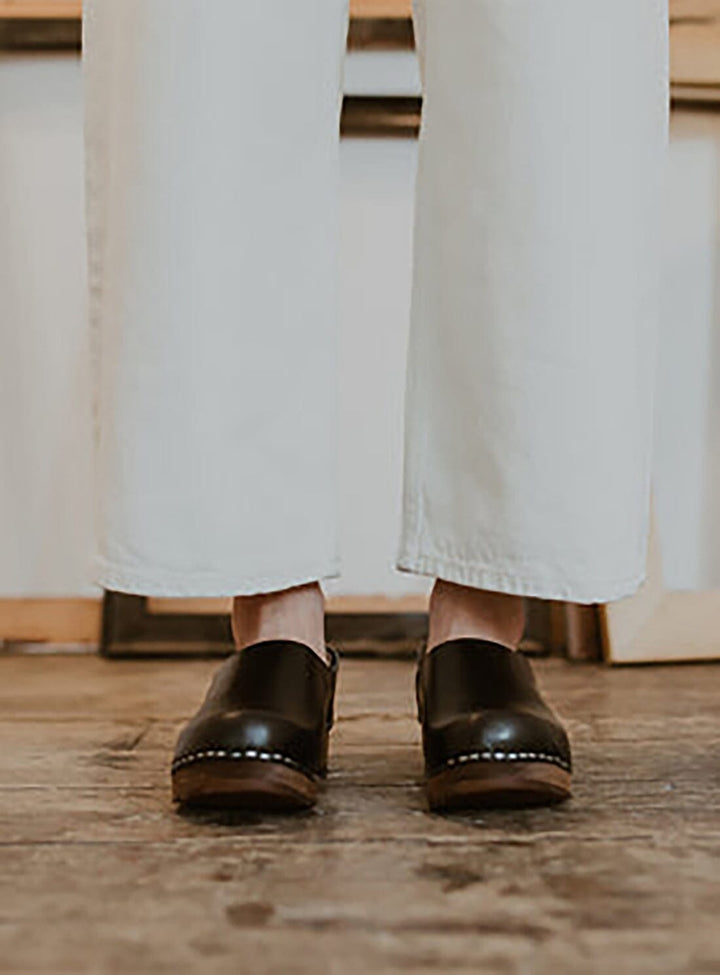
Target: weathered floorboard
x: 100, y: 874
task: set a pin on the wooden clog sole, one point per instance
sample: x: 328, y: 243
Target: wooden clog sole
x: 486, y: 784
x: 248, y: 784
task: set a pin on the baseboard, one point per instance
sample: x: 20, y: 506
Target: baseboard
x: 134, y: 626
x: 63, y: 621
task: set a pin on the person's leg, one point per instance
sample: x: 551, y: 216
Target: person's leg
x: 529, y: 398
x: 212, y: 138
x: 297, y: 613
x: 459, y: 611
x: 212, y: 177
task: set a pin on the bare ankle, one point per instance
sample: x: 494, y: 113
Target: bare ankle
x: 461, y: 611
x: 290, y: 614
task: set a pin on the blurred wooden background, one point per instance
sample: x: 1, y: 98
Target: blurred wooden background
x: 695, y: 30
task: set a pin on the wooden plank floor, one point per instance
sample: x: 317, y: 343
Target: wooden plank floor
x: 98, y: 874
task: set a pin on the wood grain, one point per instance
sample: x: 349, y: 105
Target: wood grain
x: 100, y: 874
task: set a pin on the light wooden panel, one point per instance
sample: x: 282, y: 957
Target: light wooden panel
x: 40, y: 9
x: 695, y: 32
x: 335, y: 604
x: 381, y: 8
x: 71, y: 8
x: 695, y: 28
x: 50, y: 620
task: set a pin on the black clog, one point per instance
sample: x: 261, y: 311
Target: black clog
x: 489, y: 738
x: 260, y: 738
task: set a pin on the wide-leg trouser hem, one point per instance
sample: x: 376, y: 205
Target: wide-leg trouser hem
x: 139, y: 581
x: 531, y: 370
x: 537, y: 584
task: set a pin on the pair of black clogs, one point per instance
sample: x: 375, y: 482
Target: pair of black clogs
x: 261, y: 736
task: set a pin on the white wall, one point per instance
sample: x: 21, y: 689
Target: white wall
x: 687, y: 446
x: 45, y: 524
x: 45, y: 445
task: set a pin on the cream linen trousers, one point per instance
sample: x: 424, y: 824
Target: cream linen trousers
x: 212, y: 178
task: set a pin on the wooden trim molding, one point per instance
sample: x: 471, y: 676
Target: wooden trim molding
x: 381, y: 8
x: 694, y: 28
x: 137, y: 626
x: 695, y: 44
x: 78, y: 620
x: 60, y: 621
x: 72, y: 9
x: 41, y: 9
x: 335, y: 604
